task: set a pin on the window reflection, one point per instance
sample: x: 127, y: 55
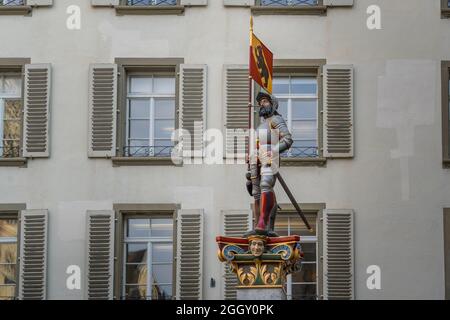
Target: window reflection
x: 148, y: 265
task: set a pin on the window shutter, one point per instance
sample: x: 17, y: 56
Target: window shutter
x: 44, y: 3
x: 338, y: 254
x: 100, y: 255
x: 338, y: 111
x: 102, y: 110
x: 37, y: 110
x: 193, y: 107
x: 189, y: 282
x: 235, y: 224
x: 236, y: 109
x: 193, y: 3
x: 104, y: 3
x: 33, y: 255
x: 238, y: 3
x: 338, y: 3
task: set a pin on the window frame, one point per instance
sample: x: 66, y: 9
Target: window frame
x: 446, y: 231
x: 22, y: 9
x: 142, y: 66
x: 147, y: 97
x: 445, y: 75
x: 2, y: 114
x: 17, y: 66
x: 445, y: 9
x: 123, y: 9
x: 320, y: 9
x: 12, y: 211
x: 130, y: 211
x: 308, y: 68
x: 316, y: 209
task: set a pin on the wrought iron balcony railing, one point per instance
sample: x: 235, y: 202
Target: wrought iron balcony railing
x: 147, y: 151
x: 301, y: 152
x: 286, y: 3
x: 150, y: 2
x: 9, y: 152
x: 12, y: 3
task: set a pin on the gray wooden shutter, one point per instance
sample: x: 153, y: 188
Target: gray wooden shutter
x: 238, y: 3
x: 33, y: 255
x: 338, y: 254
x: 193, y: 107
x: 193, y: 3
x: 105, y: 3
x: 36, y: 142
x: 102, y: 110
x: 338, y: 111
x: 100, y: 255
x: 189, y: 282
x: 44, y: 3
x: 235, y: 223
x: 236, y: 109
x: 338, y: 3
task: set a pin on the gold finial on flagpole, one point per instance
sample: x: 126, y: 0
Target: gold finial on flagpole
x: 251, y: 23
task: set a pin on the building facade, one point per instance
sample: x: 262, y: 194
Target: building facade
x: 91, y: 92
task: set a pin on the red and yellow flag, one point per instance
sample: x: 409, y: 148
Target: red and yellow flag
x: 261, y: 63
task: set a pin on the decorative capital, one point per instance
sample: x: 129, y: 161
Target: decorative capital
x: 260, y: 261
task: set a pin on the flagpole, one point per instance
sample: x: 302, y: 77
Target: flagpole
x: 250, y: 91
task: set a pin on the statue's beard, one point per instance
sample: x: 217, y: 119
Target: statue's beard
x: 266, y: 112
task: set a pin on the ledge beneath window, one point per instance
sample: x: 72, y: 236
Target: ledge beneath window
x: 15, y: 10
x: 303, y: 162
x: 445, y: 13
x: 13, y: 162
x: 301, y: 10
x: 149, y: 10
x: 142, y: 161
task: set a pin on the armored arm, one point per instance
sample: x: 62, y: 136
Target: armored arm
x: 285, y: 137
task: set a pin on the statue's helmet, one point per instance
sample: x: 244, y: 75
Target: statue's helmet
x: 272, y: 99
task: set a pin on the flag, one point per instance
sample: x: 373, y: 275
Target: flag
x: 261, y: 63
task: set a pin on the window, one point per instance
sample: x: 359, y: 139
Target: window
x: 445, y: 72
x: 10, y: 114
x: 150, y: 115
x: 445, y: 8
x: 298, y: 104
x: 150, y: 2
x: 303, y: 284
x: 21, y: 7
x: 148, y: 258
x: 149, y: 7
x: 290, y: 2
x: 148, y: 103
x: 447, y: 252
x: 12, y: 2
x: 8, y: 256
x: 313, y: 7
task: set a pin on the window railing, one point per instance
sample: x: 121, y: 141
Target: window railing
x: 288, y: 3
x: 9, y: 152
x: 301, y: 152
x: 147, y: 151
x: 150, y: 2
x: 12, y: 3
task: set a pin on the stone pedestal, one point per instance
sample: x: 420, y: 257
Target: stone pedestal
x: 267, y: 294
x: 260, y: 263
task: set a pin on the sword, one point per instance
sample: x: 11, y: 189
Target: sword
x: 293, y: 201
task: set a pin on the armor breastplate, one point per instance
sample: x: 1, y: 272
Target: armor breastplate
x: 264, y: 133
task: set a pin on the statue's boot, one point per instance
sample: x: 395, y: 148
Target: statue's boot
x: 256, y: 210
x: 267, y: 204
x: 273, y: 215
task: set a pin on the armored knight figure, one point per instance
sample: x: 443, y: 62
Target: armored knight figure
x: 272, y: 139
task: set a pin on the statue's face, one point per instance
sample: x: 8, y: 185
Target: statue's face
x: 257, y: 247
